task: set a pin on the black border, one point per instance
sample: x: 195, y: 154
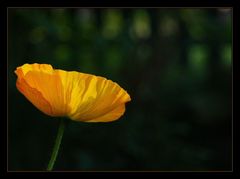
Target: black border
x: 120, y: 4
x: 3, y: 32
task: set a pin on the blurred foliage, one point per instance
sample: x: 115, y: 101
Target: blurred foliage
x: 175, y: 64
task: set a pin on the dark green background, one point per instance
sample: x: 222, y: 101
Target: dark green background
x: 174, y: 63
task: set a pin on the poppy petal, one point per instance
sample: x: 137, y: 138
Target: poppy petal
x: 34, y: 96
x: 43, y: 79
x: 115, y: 114
x: 80, y: 96
x: 99, y: 97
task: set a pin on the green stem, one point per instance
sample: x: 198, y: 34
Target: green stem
x: 56, y: 145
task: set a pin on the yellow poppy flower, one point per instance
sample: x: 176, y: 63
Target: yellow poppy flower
x: 79, y: 96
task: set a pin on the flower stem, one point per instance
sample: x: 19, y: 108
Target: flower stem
x: 56, y: 145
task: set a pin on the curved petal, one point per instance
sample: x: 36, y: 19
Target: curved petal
x: 91, y: 98
x: 109, y: 104
x: 74, y: 88
x: 46, y: 82
x: 24, y: 69
x: 80, y: 96
x: 113, y: 115
x: 34, y: 96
